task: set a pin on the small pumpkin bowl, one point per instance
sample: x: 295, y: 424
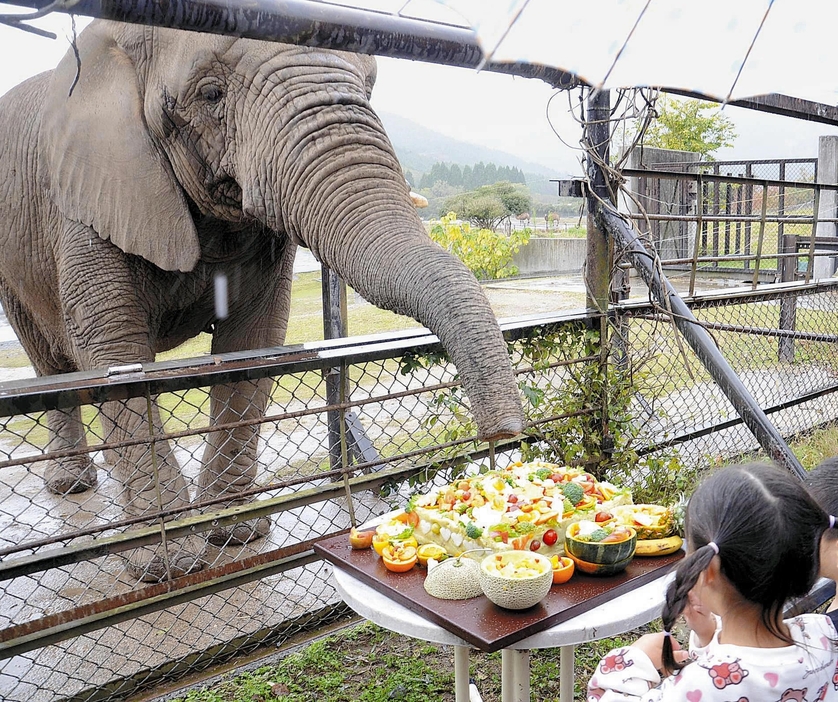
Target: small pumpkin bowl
x: 516, y: 579
x: 601, y: 569
x: 608, y: 552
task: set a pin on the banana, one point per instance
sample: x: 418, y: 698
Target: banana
x: 658, y: 547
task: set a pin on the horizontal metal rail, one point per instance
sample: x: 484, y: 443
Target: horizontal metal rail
x: 728, y: 424
x: 719, y: 178
x: 94, y: 387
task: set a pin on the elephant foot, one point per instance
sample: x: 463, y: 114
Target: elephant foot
x: 70, y: 475
x: 151, y: 564
x: 238, y: 534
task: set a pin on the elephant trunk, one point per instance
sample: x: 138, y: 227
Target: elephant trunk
x: 415, y: 277
x: 349, y: 203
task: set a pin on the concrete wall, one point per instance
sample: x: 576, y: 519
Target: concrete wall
x: 546, y: 256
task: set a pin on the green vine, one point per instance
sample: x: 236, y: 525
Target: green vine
x: 581, y: 413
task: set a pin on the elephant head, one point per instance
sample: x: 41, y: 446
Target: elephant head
x: 256, y: 133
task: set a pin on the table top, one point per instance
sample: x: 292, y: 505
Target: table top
x: 585, y: 608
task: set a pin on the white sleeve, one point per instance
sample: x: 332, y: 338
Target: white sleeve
x: 624, y: 675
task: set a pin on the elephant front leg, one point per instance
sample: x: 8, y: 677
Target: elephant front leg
x: 151, y: 481
x: 69, y: 474
x: 229, y: 464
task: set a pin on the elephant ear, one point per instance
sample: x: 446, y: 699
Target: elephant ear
x: 103, y: 167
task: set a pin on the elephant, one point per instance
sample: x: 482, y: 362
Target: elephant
x: 133, y: 174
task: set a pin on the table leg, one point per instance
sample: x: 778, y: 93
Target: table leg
x: 566, y: 674
x: 515, y: 675
x: 461, y: 688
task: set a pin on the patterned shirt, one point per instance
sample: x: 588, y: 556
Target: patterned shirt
x: 804, y: 672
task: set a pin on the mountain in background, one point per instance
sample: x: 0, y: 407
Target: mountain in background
x: 419, y: 148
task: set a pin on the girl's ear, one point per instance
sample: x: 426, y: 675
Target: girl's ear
x: 104, y: 168
x: 712, y: 572
x: 829, y: 557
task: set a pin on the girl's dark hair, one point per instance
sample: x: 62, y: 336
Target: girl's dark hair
x: 822, y: 482
x: 767, y: 528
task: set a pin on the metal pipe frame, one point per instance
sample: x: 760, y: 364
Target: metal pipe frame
x: 331, y: 26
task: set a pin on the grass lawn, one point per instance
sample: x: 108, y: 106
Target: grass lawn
x: 365, y: 663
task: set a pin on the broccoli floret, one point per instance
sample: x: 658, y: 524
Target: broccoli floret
x: 473, y: 531
x: 574, y: 493
x: 524, y: 527
x: 598, y: 534
x: 543, y: 473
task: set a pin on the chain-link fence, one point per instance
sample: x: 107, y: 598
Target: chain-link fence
x: 78, y: 623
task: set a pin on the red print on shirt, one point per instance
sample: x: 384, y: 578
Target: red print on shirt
x: 614, y: 663
x: 724, y: 674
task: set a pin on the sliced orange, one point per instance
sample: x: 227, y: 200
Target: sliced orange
x: 426, y: 551
x: 563, y: 568
x: 399, y: 559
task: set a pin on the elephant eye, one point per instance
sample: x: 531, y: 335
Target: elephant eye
x: 211, y: 92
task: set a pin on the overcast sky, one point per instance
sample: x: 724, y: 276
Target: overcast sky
x: 490, y: 109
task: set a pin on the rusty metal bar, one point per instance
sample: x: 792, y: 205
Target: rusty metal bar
x: 788, y: 219
x: 719, y: 178
x: 761, y: 235
x: 53, y: 628
x: 810, y: 264
x: 92, y: 387
x: 698, y: 227
x: 740, y: 257
x: 267, y: 419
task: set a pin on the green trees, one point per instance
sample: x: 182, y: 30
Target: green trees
x: 470, y: 177
x: 690, y: 125
x: 490, y: 205
x: 486, y: 253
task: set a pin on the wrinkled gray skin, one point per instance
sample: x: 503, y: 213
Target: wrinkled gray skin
x: 179, y: 155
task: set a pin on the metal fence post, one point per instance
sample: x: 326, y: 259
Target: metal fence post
x: 334, y: 327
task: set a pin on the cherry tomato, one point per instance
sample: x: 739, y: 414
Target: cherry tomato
x: 410, y: 518
x: 550, y: 537
x: 603, y: 516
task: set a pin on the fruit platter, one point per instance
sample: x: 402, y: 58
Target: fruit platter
x: 526, y: 506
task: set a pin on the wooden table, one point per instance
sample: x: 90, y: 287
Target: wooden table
x: 584, y: 609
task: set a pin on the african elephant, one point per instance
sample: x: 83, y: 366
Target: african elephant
x: 160, y: 158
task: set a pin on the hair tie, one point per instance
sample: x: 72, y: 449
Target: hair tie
x: 831, y: 521
x: 714, y: 546
x: 667, y: 634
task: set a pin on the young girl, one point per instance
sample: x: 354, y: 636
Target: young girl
x: 753, y: 534
x: 822, y: 482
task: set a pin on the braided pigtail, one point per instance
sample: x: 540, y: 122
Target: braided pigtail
x: 677, y: 598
